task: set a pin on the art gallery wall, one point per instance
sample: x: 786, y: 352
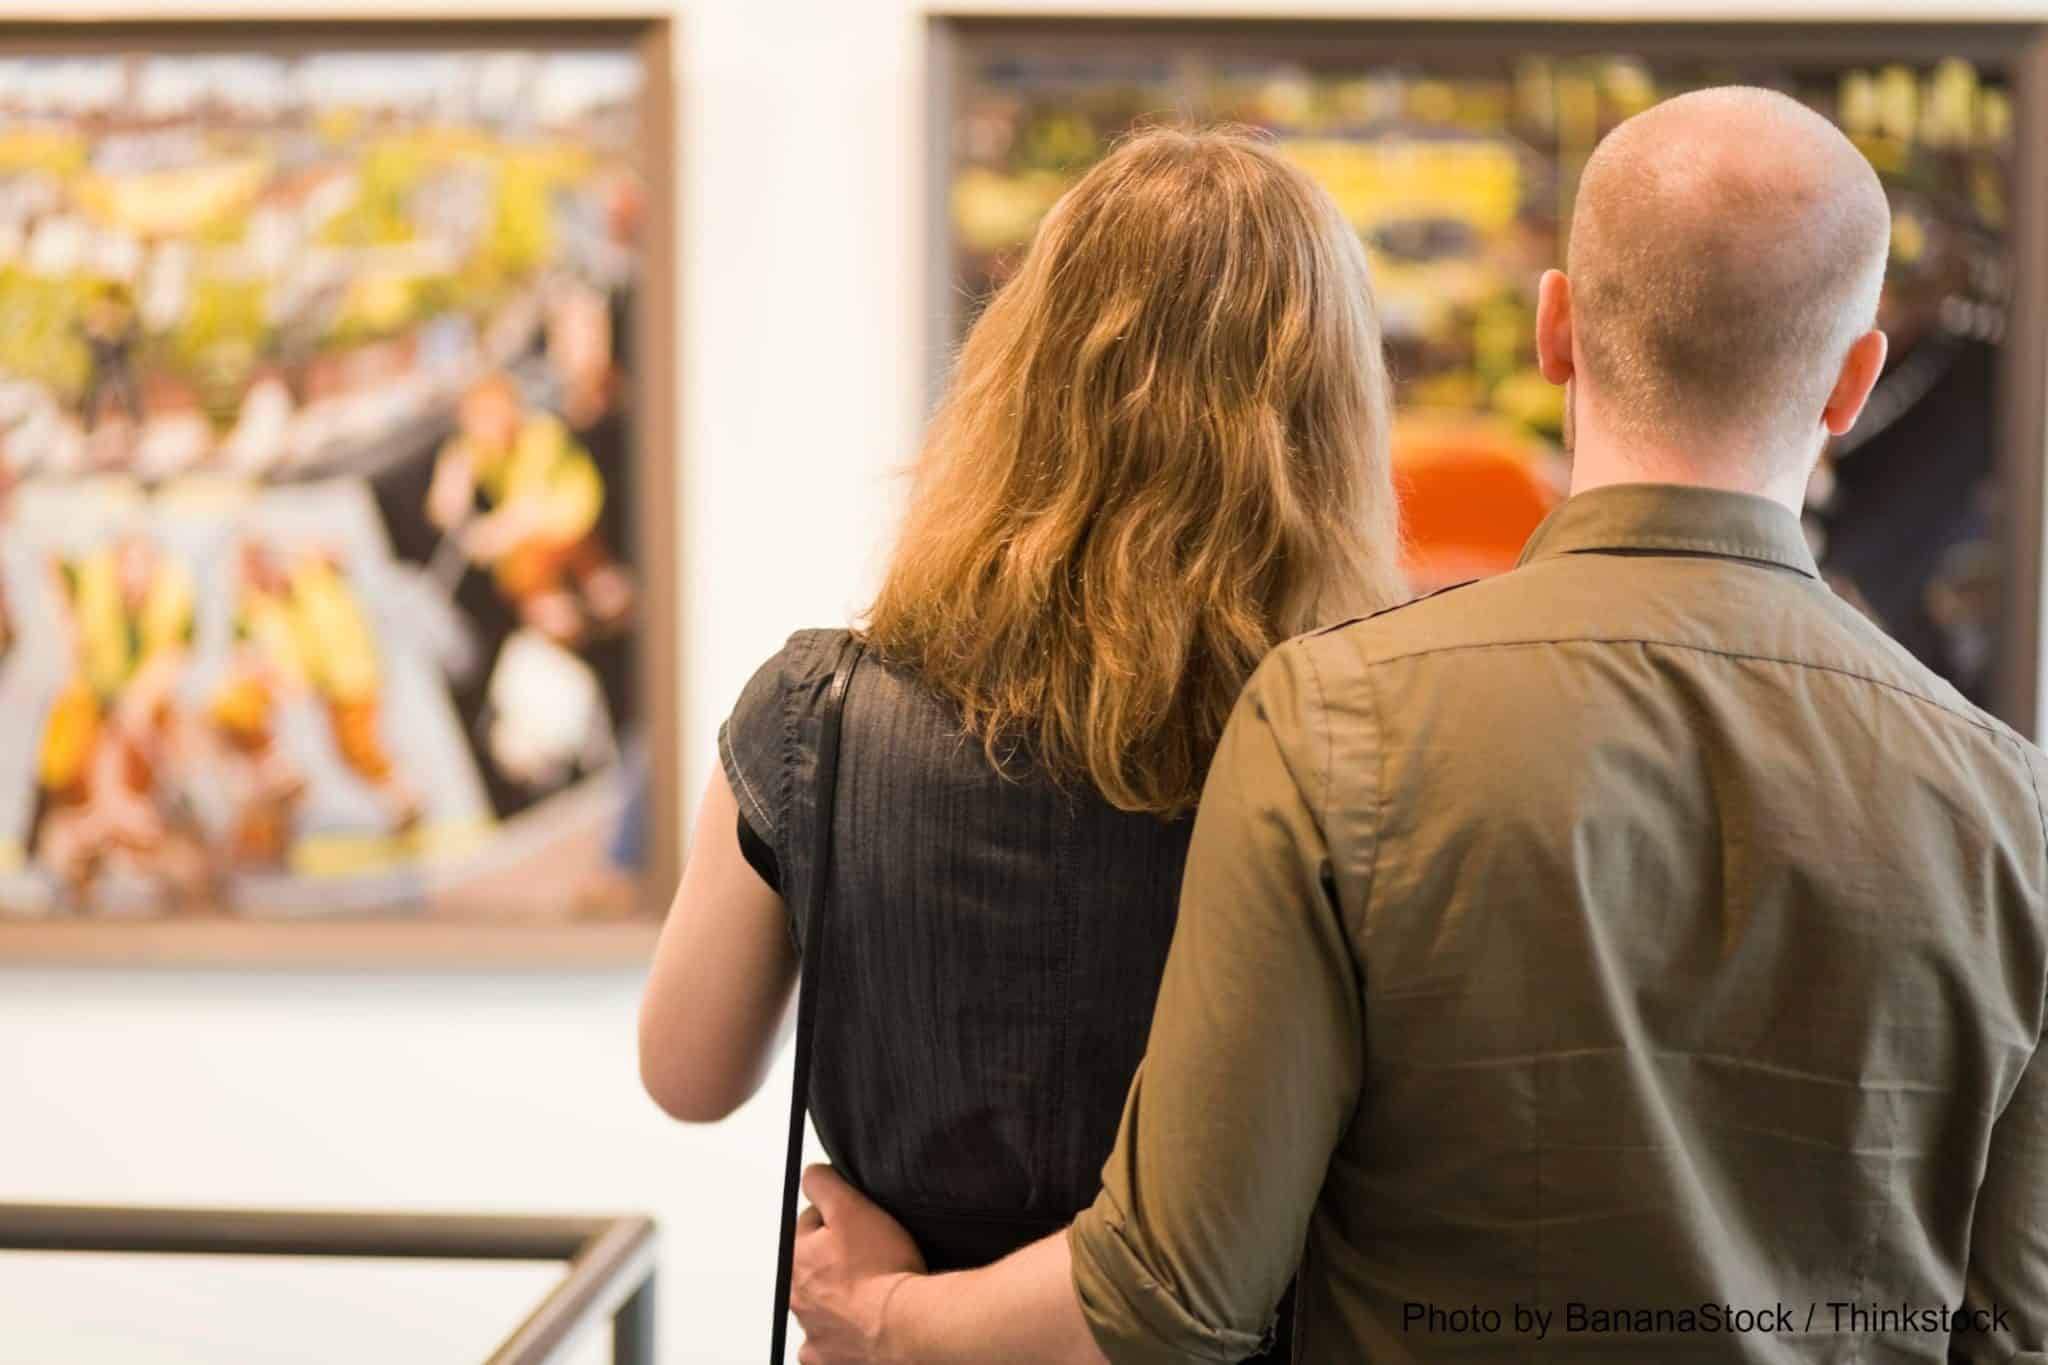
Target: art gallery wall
x: 801, y: 370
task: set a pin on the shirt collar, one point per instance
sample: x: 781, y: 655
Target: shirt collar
x: 1674, y: 518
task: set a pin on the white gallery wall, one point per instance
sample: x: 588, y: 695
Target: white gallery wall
x: 800, y: 366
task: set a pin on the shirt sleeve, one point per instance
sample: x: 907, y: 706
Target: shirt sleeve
x: 1254, y: 1062
x: 2008, y: 1268
x: 753, y: 745
x: 764, y: 747
x: 2008, y: 1279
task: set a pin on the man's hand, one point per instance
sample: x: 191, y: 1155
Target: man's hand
x: 850, y: 1256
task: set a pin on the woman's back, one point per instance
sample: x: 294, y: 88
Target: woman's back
x: 992, y: 954
x: 1163, y: 450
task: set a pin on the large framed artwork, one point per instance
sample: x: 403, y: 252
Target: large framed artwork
x: 1454, y: 148
x: 336, y: 490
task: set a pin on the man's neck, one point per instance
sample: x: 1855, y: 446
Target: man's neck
x: 1597, y: 463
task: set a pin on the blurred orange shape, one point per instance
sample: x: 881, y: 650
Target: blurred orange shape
x: 1472, y: 492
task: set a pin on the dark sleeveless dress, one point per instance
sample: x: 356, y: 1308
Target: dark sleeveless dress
x: 996, y: 944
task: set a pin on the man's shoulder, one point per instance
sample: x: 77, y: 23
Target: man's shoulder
x: 1884, y: 660
x: 1352, y: 623
x: 1594, y: 601
x: 1475, y: 611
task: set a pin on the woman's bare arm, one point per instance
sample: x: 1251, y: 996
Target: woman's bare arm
x: 723, y: 974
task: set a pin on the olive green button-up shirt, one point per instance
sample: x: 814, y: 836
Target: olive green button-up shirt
x: 1634, y: 957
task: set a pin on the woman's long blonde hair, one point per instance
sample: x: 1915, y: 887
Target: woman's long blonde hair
x: 1164, y: 451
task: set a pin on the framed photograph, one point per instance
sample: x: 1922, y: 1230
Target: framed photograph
x: 337, y: 491
x: 1454, y: 148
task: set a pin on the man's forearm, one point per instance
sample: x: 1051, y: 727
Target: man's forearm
x: 1022, y: 1309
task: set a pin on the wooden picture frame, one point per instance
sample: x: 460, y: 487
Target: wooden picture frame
x: 442, y: 931
x: 1182, y: 51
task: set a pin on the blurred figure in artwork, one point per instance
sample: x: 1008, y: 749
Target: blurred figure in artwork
x: 546, y: 722
x: 579, y: 349
x: 263, y: 787
x: 111, y: 330
x: 261, y: 437
x: 301, y: 628
x: 537, y: 530
x: 110, y: 736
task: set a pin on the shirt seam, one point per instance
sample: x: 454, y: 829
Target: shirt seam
x: 2041, y: 818
x: 747, y: 793
x: 1379, y: 815
x: 1355, y: 937
x: 783, y: 840
x: 1315, y: 676
x: 1741, y: 655
x: 1731, y: 549
x: 800, y: 666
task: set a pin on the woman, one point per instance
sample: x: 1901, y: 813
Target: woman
x: 1164, y: 451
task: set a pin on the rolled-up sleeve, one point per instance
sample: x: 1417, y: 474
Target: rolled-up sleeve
x: 2007, y: 1284
x: 2008, y: 1273
x: 1253, y: 1066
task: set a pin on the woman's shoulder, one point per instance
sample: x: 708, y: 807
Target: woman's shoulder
x: 809, y: 652
x: 757, y: 740
x: 798, y: 674
x: 800, y: 668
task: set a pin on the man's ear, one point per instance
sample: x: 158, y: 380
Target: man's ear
x: 1852, y: 387
x: 1554, y: 326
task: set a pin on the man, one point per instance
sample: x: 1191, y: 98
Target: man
x: 1636, y: 956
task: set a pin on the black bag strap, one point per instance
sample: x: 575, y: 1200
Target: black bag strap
x: 807, y: 977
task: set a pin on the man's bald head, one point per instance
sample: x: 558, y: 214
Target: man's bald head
x: 1727, y: 248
